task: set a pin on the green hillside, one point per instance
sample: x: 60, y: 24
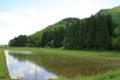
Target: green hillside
x: 61, y: 24
x: 100, y: 31
x: 115, y: 13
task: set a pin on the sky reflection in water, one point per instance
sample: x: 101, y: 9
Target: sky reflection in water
x: 26, y: 70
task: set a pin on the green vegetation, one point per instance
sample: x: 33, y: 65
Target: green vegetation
x: 110, y: 75
x: 89, y: 33
x: 21, y: 40
x: 75, y: 64
x: 3, y: 67
x: 100, y: 32
x: 93, y: 36
x: 61, y: 51
x: 92, y: 33
x: 115, y: 13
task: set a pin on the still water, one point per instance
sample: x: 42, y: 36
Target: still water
x: 25, y: 65
x: 25, y: 70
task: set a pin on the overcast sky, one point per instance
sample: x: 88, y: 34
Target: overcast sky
x: 28, y: 16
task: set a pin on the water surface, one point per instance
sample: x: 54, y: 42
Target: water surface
x: 40, y: 66
x: 25, y: 69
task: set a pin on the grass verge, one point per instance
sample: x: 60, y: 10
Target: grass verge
x: 3, y: 67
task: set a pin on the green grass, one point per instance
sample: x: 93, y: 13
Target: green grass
x: 110, y: 75
x: 3, y: 68
x: 88, y: 53
x: 56, y: 60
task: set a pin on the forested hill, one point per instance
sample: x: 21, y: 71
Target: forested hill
x: 61, y: 24
x: 101, y: 31
x: 115, y: 13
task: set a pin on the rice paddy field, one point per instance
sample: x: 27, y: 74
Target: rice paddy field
x: 70, y: 64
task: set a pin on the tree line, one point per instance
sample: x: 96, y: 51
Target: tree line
x: 95, y: 33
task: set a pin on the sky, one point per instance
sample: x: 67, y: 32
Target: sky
x: 25, y: 17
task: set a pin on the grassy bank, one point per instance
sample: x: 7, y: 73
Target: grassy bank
x: 90, y: 60
x: 3, y: 68
x: 88, y: 53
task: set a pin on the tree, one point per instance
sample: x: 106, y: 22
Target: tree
x: 71, y: 40
x: 20, y: 41
x: 103, y: 37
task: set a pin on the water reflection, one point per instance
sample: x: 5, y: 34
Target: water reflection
x: 43, y: 65
x: 26, y: 70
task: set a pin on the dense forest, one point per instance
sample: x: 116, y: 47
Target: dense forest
x: 98, y: 32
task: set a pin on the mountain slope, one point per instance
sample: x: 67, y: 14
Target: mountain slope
x: 96, y: 32
x: 61, y: 24
x: 115, y: 13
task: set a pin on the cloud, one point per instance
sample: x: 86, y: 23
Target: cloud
x: 33, y: 16
x: 25, y: 23
x: 10, y: 18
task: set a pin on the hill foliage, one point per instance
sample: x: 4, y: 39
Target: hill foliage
x: 98, y: 32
